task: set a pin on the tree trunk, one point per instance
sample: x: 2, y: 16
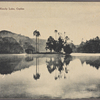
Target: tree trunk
x: 36, y: 43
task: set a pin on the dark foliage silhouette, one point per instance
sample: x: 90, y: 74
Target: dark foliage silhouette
x: 10, y: 45
x: 67, y: 59
x: 90, y: 46
x: 58, y: 45
x: 67, y: 49
x: 58, y: 65
x: 92, y: 61
x: 10, y: 64
x: 51, y: 44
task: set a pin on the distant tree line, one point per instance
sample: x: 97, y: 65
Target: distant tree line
x: 90, y: 46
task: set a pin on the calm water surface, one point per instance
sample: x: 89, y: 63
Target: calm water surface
x: 49, y: 76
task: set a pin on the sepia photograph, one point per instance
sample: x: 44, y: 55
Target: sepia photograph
x: 50, y: 50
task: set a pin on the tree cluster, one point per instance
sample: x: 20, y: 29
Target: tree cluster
x: 60, y: 65
x: 58, y: 45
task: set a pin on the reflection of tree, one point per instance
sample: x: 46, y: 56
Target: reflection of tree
x: 67, y: 59
x: 51, y: 67
x: 37, y: 75
x: 58, y: 64
x: 56, y: 76
x: 93, y: 61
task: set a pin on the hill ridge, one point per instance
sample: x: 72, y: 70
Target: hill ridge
x: 21, y: 39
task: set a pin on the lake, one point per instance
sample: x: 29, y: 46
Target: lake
x: 49, y: 76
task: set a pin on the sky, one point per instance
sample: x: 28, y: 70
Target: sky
x: 80, y: 20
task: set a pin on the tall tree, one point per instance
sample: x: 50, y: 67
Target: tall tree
x: 55, y: 34
x: 50, y: 43
x: 37, y: 34
x: 59, y: 45
x: 67, y: 49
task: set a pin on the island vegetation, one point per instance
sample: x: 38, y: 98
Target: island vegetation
x: 12, y: 43
x: 58, y: 45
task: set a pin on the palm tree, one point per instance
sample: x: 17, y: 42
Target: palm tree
x: 37, y: 34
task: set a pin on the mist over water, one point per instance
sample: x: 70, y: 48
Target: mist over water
x: 49, y: 76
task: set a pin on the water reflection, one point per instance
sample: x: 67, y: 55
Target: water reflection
x: 29, y: 58
x: 57, y: 76
x: 59, y: 64
x: 37, y: 75
x: 14, y: 63
x: 91, y: 60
